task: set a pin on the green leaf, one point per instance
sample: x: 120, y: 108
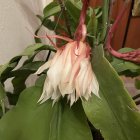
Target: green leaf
x: 115, y: 113
x: 105, y: 16
x: 32, y: 121
x: 32, y: 66
x: 19, y: 81
x: 40, y: 81
x: 73, y: 10
x: 52, y: 25
x: 36, y: 47
x: 30, y: 51
x: 10, y: 65
x: 92, y: 26
x: 51, y: 9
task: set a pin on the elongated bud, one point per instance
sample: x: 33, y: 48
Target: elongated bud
x: 133, y: 56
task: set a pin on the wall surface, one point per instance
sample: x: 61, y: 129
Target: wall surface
x: 15, y: 17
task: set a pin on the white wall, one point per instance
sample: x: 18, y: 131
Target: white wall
x: 15, y: 16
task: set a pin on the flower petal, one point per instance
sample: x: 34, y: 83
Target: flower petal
x: 47, y: 91
x: 44, y: 67
x: 95, y: 85
x: 55, y: 72
x: 80, y: 78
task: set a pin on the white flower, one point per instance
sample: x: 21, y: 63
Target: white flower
x: 70, y: 74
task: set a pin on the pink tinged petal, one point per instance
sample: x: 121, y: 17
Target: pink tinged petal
x: 76, y: 66
x: 80, y: 78
x: 88, y: 78
x: 44, y: 67
x: 66, y: 72
x: 73, y: 56
x: 67, y: 63
x: 81, y: 52
x: 68, y: 66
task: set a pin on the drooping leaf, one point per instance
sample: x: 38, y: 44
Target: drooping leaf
x: 19, y: 78
x: 10, y: 65
x: 32, y: 121
x: 115, y: 113
x: 22, y: 74
x: 30, y: 51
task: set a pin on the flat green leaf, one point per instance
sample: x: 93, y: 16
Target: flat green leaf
x: 40, y: 81
x: 92, y: 26
x: 32, y: 121
x: 36, y: 47
x: 115, y: 113
x: 53, y: 25
x: 105, y: 16
x: 32, y: 66
x: 51, y: 9
x: 73, y: 10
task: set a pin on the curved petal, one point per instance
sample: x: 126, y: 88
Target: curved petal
x: 88, y: 78
x: 44, y: 67
x: 55, y: 72
x: 95, y: 85
x: 67, y: 64
x: 80, y: 78
x: 47, y: 91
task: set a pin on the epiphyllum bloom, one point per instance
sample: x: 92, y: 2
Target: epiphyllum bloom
x: 70, y: 73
